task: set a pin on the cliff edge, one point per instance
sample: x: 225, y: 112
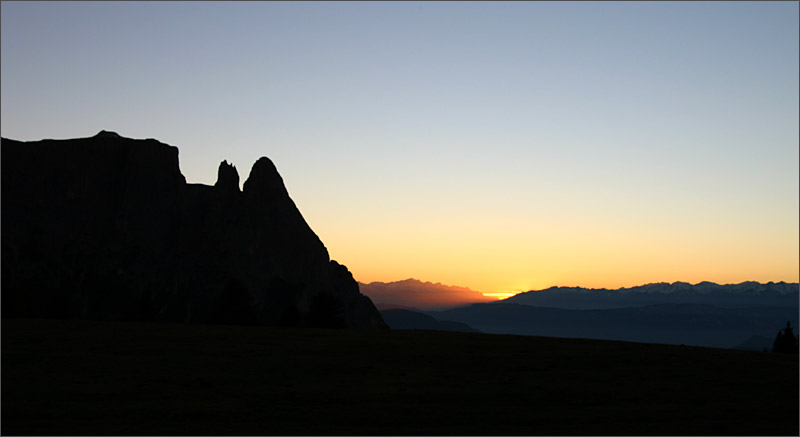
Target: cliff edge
x: 107, y: 228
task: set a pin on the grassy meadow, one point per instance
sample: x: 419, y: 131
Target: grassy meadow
x: 110, y: 378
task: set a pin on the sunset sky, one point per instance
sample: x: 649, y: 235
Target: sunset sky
x: 496, y: 146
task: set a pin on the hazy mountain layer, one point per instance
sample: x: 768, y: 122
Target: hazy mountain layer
x: 107, y: 228
x: 690, y: 324
x: 412, y: 293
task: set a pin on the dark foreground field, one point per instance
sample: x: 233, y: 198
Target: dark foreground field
x: 89, y: 378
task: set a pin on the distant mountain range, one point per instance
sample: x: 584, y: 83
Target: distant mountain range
x: 704, y: 314
x: 415, y: 294
x: 704, y: 293
x: 744, y: 316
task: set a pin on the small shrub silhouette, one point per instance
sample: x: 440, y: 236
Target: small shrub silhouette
x: 326, y: 311
x: 786, y: 341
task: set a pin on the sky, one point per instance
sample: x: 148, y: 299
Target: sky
x: 500, y: 146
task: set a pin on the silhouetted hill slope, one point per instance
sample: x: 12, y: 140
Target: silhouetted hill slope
x: 700, y: 325
x: 756, y: 343
x: 405, y: 319
x: 418, y: 294
x: 390, y: 306
x: 107, y: 228
x: 704, y: 293
x: 104, y: 378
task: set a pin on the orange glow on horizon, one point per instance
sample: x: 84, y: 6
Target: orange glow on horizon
x: 500, y: 254
x: 502, y: 295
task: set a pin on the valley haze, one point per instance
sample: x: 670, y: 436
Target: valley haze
x: 746, y: 315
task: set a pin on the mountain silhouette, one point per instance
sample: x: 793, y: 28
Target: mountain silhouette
x: 775, y: 294
x: 412, y: 293
x: 107, y: 228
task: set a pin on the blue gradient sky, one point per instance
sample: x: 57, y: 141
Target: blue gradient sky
x: 500, y: 146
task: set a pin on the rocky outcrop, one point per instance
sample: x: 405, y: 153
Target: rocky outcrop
x: 107, y: 228
x: 227, y: 177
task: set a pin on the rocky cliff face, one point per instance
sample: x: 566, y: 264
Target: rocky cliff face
x: 107, y: 228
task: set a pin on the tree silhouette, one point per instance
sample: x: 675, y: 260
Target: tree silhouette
x: 786, y: 341
x: 236, y: 305
x: 289, y: 317
x: 146, y: 310
x: 326, y: 311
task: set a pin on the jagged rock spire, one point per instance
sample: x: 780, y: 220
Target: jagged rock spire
x: 227, y: 177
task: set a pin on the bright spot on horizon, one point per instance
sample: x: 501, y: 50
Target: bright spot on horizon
x: 502, y: 295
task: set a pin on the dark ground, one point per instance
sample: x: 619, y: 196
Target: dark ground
x: 98, y: 378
